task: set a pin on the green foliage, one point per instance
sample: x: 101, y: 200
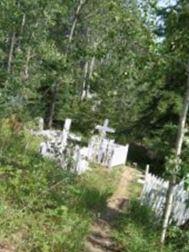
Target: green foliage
x: 98, y: 185
x: 178, y: 239
x: 137, y: 230
x: 38, y: 210
x: 111, y: 32
x: 133, y: 78
x: 44, y: 208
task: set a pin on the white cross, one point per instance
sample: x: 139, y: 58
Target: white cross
x: 104, y: 129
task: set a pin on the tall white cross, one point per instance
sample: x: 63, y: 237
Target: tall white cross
x: 104, y: 129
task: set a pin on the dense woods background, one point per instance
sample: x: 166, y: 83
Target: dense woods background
x: 90, y: 60
x: 125, y: 60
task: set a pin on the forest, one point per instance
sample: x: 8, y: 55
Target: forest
x: 88, y: 60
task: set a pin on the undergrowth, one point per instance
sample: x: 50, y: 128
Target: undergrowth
x: 37, y: 210
x: 44, y: 208
x: 136, y: 230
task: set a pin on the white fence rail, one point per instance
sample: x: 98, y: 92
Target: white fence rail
x: 154, y: 195
x: 106, y: 152
x: 59, y: 145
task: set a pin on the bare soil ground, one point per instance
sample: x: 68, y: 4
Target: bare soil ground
x: 100, y: 239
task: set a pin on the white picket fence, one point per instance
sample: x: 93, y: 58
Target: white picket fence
x: 154, y: 195
x: 59, y: 145
x: 106, y: 152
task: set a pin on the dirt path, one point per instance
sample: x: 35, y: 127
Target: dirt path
x: 100, y: 239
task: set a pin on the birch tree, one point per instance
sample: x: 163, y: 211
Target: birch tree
x: 70, y: 38
x: 178, y: 150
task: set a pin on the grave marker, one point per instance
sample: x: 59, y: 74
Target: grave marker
x: 103, y: 129
x: 65, y: 133
x: 41, y: 124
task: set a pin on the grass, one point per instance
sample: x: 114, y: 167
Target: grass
x: 98, y: 185
x: 42, y: 207
x: 46, y: 209
x: 135, y: 230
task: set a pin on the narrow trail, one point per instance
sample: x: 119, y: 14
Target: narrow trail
x: 100, y: 238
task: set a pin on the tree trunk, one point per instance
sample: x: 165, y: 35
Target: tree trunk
x: 25, y: 71
x: 168, y: 210
x: 91, y: 68
x: 52, y: 106
x: 83, y: 94
x: 178, y: 148
x: 23, y: 23
x: 88, y: 72
x: 10, y: 57
x: 81, y: 3
x: 21, y: 29
x: 26, y: 67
